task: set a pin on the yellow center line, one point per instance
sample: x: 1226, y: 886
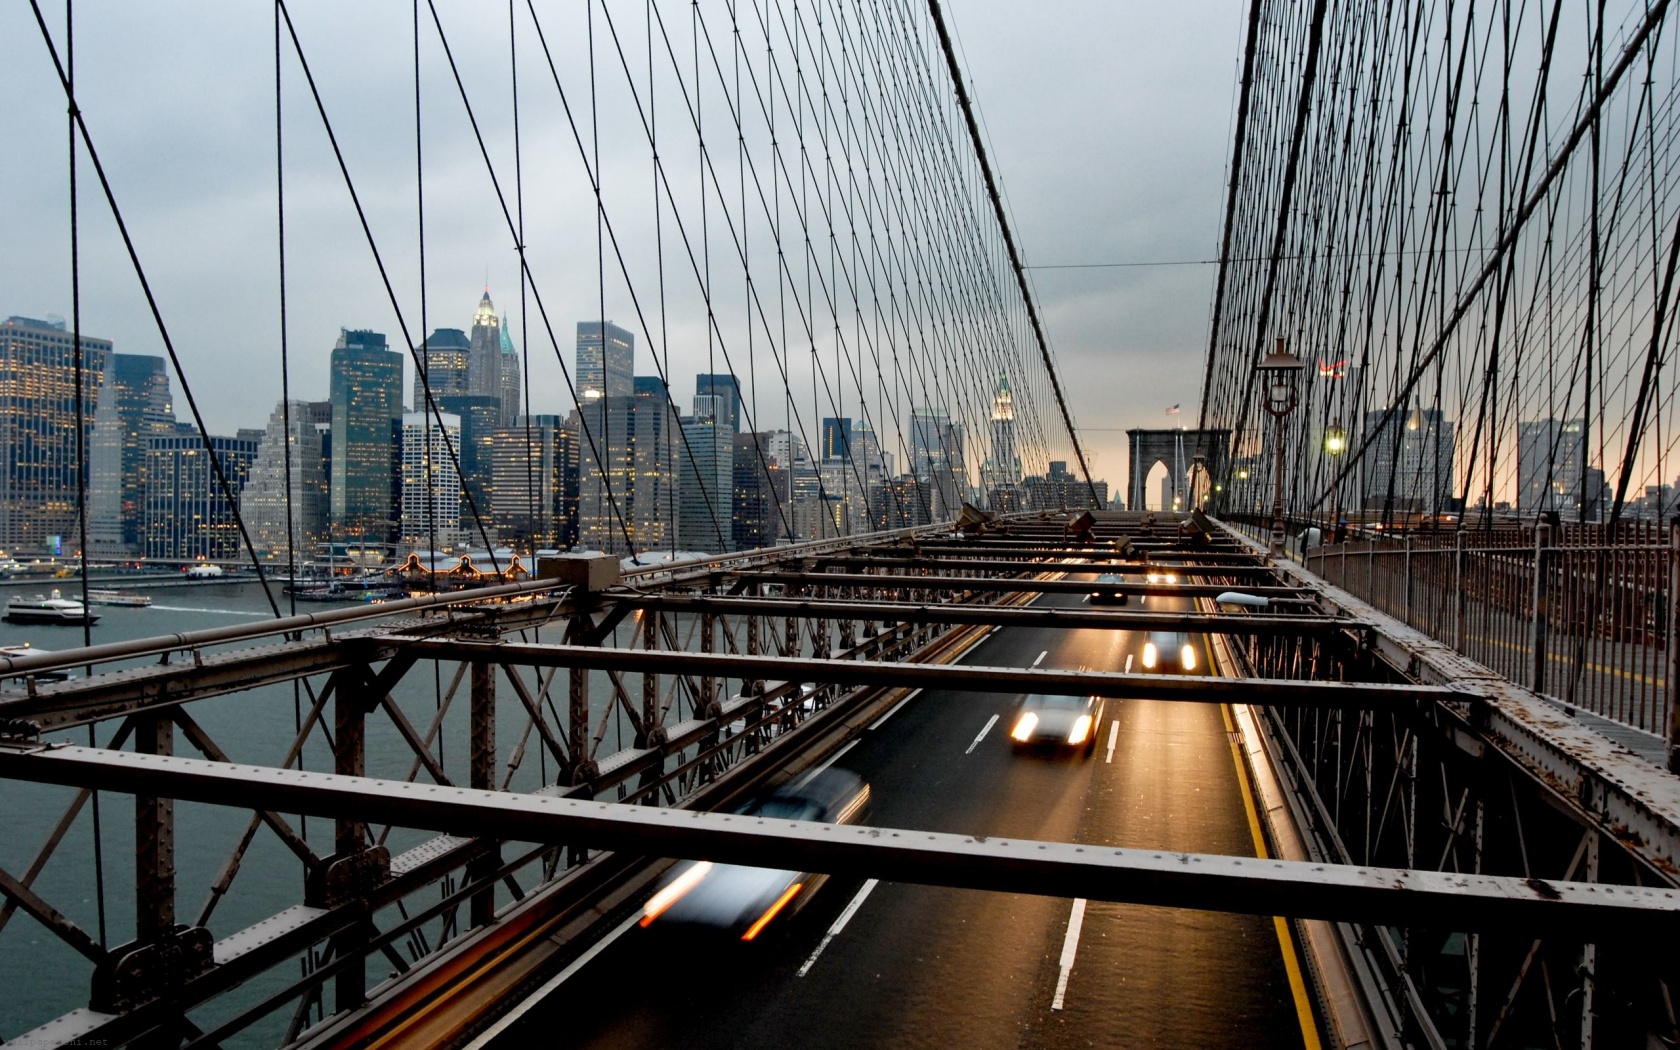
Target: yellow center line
x: 1286, y: 940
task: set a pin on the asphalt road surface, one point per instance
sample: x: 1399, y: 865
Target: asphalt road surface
x: 917, y: 966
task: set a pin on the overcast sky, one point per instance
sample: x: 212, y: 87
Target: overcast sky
x: 1108, y: 122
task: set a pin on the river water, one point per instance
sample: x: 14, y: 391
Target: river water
x: 42, y: 978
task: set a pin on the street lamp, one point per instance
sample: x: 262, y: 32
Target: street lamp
x: 1335, y: 443
x: 1279, y: 372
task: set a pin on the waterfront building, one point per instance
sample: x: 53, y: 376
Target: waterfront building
x: 287, y: 516
x: 760, y: 493
x: 367, y: 411
x: 431, y: 487
x: 188, y: 515
x: 39, y: 467
x: 535, y: 472
x: 627, y: 492
x: 480, y: 417
x: 134, y: 405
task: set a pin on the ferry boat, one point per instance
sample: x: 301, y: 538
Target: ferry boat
x: 110, y: 597
x: 55, y: 610
x: 40, y: 676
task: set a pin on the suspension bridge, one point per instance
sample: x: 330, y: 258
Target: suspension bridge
x: 1366, y: 736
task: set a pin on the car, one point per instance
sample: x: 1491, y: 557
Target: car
x: 1107, y: 589
x: 1169, y: 651
x: 743, y: 900
x: 1056, y: 723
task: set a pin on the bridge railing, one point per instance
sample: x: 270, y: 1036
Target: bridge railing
x: 1583, y: 621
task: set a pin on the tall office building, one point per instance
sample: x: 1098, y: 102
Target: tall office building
x: 706, y: 467
x: 134, y: 405
x: 1410, y: 463
x: 606, y: 357
x: 38, y: 461
x: 725, y: 386
x: 936, y: 456
x: 431, y: 488
x: 1003, y: 467
x: 367, y: 411
x: 535, y: 471
x: 760, y: 494
x: 187, y: 515
x: 836, y: 438
x: 480, y: 417
x: 446, y: 354
x: 512, y: 408
x: 492, y: 364
x: 627, y: 469
x: 287, y: 518
x: 1551, y: 467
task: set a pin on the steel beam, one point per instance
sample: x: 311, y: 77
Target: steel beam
x: 995, y: 616
x: 1095, y: 561
x: 1386, y: 896
x: 1009, y: 584
x: 1191, y: 688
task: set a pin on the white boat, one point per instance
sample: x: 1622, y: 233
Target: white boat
x: 28, y: 650
x: 57, y: 609
x: 110, y: 597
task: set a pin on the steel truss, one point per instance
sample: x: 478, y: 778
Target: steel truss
x: 691, y: 685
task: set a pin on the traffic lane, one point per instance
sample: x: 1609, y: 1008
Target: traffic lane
x: 673, y: 989
x: 1168, y: 977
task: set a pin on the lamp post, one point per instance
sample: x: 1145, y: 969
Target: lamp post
x: 1279, y: 372
x: 1335, y: 443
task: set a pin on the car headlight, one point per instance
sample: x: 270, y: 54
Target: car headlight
x: 1081, y: 729
x: 1189, y: 657
x: 1024, y: 727
x: 1149, y: 654
x: 1153, y: 578
x: 1171, y: 577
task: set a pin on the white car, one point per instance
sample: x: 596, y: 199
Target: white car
x: 1170, y: 651
x: 1056, y: 723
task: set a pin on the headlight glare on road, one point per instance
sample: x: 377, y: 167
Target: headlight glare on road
x: 1024, y: 727
x: 1149, y: 655
x: 1189, y: 657
x: 671, y: 894
x: 1081, y: 729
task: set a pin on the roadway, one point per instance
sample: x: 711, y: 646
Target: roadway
x: 922, y: 966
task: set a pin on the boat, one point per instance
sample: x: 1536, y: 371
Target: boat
x: 57, y: 609
x: 110, y: 597
x: 26, y: 649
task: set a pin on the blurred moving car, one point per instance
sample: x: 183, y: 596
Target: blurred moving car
x: 1057, y: 722
x: 1107, y: 590
x: 1169, y: 651
x: 744, y: 899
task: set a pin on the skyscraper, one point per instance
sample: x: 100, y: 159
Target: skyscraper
x: 38, y: 464
x: 1410, y: 462
x: 836, y: 438
x: 134, y: 405
x: 605, y: 365
x: 479, y: 418
x: 267, y: 501
x: 367, y: 411
x: 707, y: 470
x: 535, y: 484
x: 447, y: 354
x: 187, y: 515
x: 492, y: 365
x: 511, y: 407
x: 1551, y: 457
x: 627, y: 469
x: 431, y: 489
x: 1003, y: 468
x: 725, y: 386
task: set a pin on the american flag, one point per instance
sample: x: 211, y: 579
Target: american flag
x: 1172, y: 410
